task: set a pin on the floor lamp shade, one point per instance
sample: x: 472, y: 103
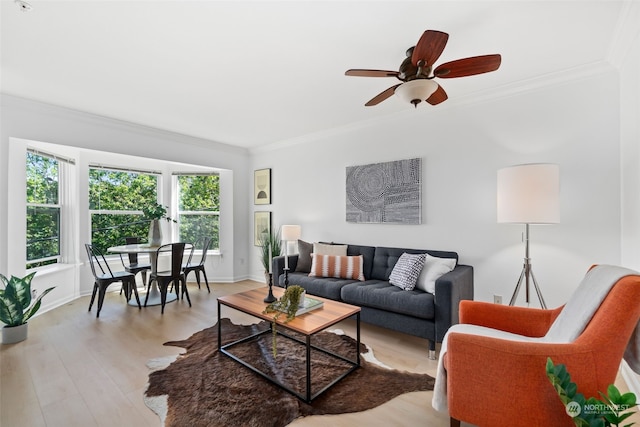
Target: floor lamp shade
x: 529, y: 194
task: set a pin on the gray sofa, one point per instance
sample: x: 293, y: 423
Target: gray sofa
x: 413, y: 312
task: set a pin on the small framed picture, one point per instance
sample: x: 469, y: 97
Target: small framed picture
x: 261, y: 226
x: 262, y: 187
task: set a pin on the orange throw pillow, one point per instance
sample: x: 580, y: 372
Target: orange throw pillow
x: 343, y: 267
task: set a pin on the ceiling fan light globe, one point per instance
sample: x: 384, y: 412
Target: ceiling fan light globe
x: 415, y: 91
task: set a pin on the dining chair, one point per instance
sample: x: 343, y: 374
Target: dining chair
x: 134, y: 267
x: 199, y: 267
x: 103, y: 277
x: 173, y: 276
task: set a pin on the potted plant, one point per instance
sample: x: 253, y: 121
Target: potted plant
x: 270, y: 246
x: 289, y: 304
x: 611, y: 410
x: 155, y: 212
x: 17, y: 306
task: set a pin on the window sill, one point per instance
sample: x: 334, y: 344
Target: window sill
x: 51, y: 269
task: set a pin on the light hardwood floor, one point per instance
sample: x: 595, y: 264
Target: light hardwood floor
x: 76, y: 370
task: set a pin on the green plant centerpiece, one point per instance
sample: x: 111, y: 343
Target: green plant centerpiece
x: 16, y: 303
x: 287, y: 304
x: 156, y: 211
x: 611, y: 410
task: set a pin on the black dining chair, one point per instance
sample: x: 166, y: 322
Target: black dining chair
x: 174, y: 276
x: 134, y: 267
x: 103, y: 277
x: 199, y: 267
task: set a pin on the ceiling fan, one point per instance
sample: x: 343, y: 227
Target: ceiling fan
x: 416, y: 74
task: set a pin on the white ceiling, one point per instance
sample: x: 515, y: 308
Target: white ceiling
x: 253, y: 73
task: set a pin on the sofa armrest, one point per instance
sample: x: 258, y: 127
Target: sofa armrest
x: 277, y: 267
x: 451, y: 288
x: 530, y: 322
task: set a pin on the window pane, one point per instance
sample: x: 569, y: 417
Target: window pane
x: 116, y: 190
x: 193, y: 227
x: 43, y: 232
x: 122, y: 191
x: 42, y: 179
x: 111, y: 230
x: 199, y: 193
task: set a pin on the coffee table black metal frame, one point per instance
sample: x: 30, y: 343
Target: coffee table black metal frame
x: 308, y: 396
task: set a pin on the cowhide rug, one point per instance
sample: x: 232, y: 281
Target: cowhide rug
x: 203, y: 387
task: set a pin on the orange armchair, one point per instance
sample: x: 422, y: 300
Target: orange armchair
x: 492, y: 382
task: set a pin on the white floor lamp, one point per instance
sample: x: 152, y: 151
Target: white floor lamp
x: 529, y: 194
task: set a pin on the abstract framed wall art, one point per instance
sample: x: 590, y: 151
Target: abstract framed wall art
x: 262, y: 187
x: 261, y: 226
x: 385, y: 193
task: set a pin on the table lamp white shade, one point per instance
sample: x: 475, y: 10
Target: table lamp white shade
x: 529, y: 194
x: 289, y: 233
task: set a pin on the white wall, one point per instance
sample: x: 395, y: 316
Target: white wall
x: 23, y: 120
x: 630, y: 153
x: 462, y: 148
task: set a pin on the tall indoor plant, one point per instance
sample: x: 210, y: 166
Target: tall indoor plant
x: 268, y: 241
x: 156, y: 212
x: 17, y: 306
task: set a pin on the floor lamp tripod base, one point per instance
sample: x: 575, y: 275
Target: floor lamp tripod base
x: 527, y: 276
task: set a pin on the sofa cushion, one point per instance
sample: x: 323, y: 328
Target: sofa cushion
x: 304, y: 256
x: 384, y: 296
x: 326, y: 287
x: 345, y: 267
x: 385, y: 259
x: 434, y: 267
x: 406, y: 271
x: 367, y: 253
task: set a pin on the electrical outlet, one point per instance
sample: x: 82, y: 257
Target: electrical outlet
x: 497, y: 299
x: 34, y: 293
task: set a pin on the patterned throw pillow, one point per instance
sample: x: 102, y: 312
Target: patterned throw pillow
x: 406, y: 271
x: 343, y: 267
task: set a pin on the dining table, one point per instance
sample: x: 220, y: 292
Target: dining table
x: 154, y: 297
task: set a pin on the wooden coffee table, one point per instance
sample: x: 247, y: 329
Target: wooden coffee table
x: 308, y: 324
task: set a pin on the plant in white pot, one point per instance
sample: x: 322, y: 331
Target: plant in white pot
x: 155, y: 212
x: 17, y: 306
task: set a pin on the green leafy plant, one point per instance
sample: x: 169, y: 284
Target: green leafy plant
x: 612, y: 410
x: 16, y: 304
x: 156, y: 211
x: 267, y: 240
x: 287, y: 304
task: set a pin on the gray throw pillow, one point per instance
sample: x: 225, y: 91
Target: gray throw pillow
x: 304, y: 257
x: 406, y: 271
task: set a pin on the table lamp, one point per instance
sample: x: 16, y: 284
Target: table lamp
x: 290, y: 233
x: 529, y: 194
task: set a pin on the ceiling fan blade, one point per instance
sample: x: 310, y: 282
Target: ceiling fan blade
x: 371, y: 73
x: 382, y: 96
x: 438, y: 96
x: 468, y: 66
x: 429, y: 47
